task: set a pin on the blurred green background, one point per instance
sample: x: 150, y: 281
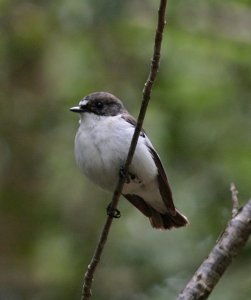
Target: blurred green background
x: 52, y: 53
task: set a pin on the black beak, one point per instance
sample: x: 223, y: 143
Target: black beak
x: 77, y: 109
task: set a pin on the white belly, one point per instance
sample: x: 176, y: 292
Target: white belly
x: 101, y: 150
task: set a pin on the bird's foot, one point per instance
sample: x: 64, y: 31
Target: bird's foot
x: 113, y: 212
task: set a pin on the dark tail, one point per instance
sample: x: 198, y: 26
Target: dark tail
x: 157, y: 219
x: 167, y: 221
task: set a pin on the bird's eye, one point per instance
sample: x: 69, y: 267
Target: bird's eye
x: 99, y: 105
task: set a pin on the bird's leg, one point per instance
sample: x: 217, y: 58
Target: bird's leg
x: 113, y: 212
x: 123, y: 175
x: 129, y: 177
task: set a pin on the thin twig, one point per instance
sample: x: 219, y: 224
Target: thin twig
x: 86, y: 291
x: 235, y: 201
x: 229, y: 244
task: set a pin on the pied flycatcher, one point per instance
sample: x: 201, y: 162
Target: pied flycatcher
x: 101, y: 147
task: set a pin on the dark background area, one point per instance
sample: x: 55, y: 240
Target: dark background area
x: 52, y: 53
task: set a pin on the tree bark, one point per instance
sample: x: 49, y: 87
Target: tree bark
x: 229, y: 244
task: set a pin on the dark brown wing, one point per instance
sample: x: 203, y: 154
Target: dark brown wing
x: 164, y: 186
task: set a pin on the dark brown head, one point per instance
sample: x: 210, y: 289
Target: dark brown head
x: 101, y: 104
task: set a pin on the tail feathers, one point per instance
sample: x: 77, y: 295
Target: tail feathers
x: 158, y: 220
x: 167, y: 221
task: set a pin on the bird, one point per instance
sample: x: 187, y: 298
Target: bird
x: 101, y: 146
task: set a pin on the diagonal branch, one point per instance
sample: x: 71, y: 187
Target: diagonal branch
x: 231, y: 241
x: 86, y: 291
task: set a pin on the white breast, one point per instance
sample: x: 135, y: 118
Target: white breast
x: 101, y: 147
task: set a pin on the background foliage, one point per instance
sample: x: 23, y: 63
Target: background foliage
x: 52, y: 53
